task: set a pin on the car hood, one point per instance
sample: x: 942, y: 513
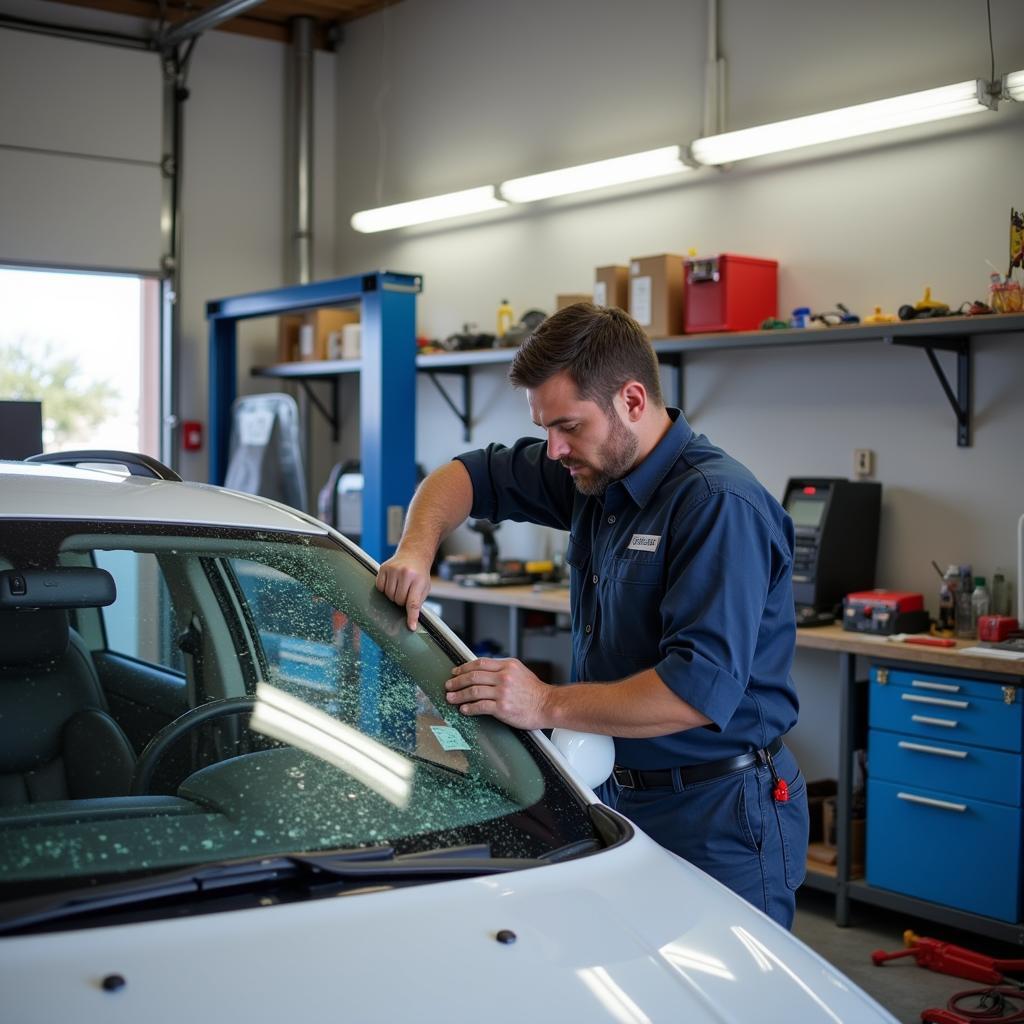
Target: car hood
x: 631, y: 935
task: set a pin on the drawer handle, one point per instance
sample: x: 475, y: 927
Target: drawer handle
x: 945, y: 687
x: 946, y: 723
x: 939, y: 701
x: 925, y: 749
x: 930, y: 802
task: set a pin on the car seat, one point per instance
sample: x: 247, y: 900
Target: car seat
x: 57, y: 739
x: 265, y: 452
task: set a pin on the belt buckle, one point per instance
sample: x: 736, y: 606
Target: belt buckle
x: 625, y: 777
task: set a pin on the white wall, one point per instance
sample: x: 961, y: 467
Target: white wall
x: 236, y: 228
x: 437, y: 96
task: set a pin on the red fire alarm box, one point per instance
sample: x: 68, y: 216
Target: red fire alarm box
x: 192, y: 435
x: 730, y: 293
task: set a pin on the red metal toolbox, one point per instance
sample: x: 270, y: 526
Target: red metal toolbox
x: 729, y: 293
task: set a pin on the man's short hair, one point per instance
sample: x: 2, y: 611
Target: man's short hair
x: 600, y: 349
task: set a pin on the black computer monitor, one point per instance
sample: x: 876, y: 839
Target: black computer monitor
x: 21, y: 429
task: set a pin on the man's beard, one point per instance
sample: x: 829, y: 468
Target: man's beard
x: 618, y: 457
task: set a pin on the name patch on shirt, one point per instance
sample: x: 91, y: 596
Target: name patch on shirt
x: 644, y: 542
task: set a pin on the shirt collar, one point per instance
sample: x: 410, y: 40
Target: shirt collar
x: 643, y: 481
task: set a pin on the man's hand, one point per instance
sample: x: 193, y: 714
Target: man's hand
x: 502, y: 687
x: 405, y: 579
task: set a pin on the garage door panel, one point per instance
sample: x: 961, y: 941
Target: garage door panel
x: 63, y: 211
x: 61, y: 94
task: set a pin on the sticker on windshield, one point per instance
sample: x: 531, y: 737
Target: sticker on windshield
x: 449, y: 737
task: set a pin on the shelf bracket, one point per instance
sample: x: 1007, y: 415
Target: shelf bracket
x: 464, y: 415
x: 961, y: 400
x: 331, y: 415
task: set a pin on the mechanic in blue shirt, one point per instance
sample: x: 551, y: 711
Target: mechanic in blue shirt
x: 682, y: 602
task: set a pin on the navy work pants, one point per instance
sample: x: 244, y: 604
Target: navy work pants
x: 733, y: 828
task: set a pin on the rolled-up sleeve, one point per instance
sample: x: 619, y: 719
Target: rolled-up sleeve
x: 718, y: 574
x: 519, y: 483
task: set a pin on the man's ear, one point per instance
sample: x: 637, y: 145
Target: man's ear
x: 634, y: 400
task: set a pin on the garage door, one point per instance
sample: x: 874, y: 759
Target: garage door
x: 80, y: 143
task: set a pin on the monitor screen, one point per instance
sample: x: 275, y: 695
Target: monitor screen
x: 805, y: 511
x: 21, y: 429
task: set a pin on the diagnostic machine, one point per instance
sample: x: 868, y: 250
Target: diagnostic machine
x: 836, y: 525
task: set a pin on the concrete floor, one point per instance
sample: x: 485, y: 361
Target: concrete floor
x: 902, y: 987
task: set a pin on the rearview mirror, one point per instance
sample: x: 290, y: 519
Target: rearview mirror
x: 83, y: 587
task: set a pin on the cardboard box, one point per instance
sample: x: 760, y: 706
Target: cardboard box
x: 656, y: 296
x: 306, y: 336
x: 611, y: 287
x: 570, y: 299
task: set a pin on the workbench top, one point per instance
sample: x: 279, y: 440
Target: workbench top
x: 820, y: 638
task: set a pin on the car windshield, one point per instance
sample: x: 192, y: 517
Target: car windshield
x: 316, y: 719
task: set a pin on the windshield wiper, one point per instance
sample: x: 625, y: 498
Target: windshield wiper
x: 332, y: 867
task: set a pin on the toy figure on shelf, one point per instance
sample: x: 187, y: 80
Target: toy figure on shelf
x: 924, y: 308
x: 878, y: 317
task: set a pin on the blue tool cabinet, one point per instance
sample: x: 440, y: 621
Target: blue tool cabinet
x: 944, y: 820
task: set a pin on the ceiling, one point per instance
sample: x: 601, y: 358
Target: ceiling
x: 267, y: 20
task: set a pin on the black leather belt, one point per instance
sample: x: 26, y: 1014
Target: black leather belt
x: 636, y: 778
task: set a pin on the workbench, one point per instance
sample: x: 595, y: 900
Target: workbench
x: 878, y: 652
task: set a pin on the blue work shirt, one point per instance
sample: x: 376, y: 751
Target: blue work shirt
x: 683, y: 566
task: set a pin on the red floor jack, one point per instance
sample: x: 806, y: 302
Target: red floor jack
x: 943, y: 957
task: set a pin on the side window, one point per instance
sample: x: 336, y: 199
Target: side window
x: 316, y: 652
x: 140, y: 624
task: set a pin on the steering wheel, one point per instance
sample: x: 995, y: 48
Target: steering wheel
x: 173, y: 731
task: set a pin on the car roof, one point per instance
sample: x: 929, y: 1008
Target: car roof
x: 30, y: 490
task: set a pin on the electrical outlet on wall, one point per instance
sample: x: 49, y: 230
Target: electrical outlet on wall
x: 863, y: 462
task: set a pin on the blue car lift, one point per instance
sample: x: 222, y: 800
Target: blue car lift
x: 387, y: 385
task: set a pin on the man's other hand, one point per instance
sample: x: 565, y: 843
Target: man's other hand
x: 405, y: 579
x: 502, y: 687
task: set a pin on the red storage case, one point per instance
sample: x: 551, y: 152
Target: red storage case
x: 730, y: 293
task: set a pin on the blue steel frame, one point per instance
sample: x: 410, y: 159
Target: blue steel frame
x: 387, y: 385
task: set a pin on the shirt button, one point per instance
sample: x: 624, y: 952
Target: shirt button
x: 611, y: 520
x: 587, y: 628
x: 593, y: 578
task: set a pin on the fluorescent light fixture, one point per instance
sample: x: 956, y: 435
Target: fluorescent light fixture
x: 654, y: 163
x: 420, y: 211
x: 1013, y: 86
x: 845, y: 123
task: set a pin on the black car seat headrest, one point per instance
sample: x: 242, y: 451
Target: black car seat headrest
x: 38, y: 637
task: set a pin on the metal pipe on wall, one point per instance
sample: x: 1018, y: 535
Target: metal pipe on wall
x: 301, y: 146
x: 300, y: 206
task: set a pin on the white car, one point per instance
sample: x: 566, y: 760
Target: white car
x: 231, y: 789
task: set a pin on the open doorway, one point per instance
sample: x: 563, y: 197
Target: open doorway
x: 87, y: 347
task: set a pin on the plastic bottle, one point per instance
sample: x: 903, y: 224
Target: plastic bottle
x: 998, y: 599
x: 947, y: 600
x: 964, y: 626
x: 979, y: 602
x: 801, y: 317
x: 506, y: 318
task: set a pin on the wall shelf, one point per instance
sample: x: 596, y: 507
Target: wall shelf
x: 942, y: 334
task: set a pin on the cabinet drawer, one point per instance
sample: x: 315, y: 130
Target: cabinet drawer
x: 959, y: 768
x: 936, y: 846
x: 955, y: 717
x: 945, y: 685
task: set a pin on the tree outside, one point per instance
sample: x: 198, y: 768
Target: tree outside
x: 73, y: 407
x: 73, y: 341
